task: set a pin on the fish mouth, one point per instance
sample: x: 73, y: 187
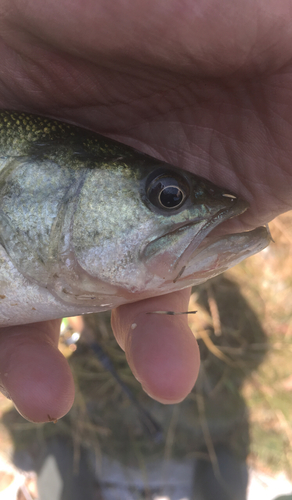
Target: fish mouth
x: 168, y: 254
x: 239, y: 206
x: 217, y: 254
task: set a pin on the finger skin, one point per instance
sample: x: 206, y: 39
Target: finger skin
x: 161, y: 350
x: 34, y: 374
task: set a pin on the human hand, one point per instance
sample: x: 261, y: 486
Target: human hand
x: 202, y: 85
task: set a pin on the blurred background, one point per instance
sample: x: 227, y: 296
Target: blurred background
x: 230, y: 439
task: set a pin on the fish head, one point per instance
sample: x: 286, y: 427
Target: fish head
x: 152, y: 223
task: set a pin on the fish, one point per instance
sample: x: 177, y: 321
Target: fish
x: 88, y: 224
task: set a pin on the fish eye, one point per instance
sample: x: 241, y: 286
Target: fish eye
x: 167, y: 190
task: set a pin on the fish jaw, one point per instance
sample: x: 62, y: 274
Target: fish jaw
x: 211, y: 258
x: 215, y: 256
x: 168, y: 254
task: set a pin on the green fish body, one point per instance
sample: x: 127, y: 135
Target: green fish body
x: 88, y: 224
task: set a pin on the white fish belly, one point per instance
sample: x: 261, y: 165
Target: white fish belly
x: 22, y: 301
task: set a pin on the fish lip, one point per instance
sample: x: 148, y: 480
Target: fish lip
x: 254, y: 241
x: 262, y: 232
x: 261, y: 238
x: 221, y: 216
